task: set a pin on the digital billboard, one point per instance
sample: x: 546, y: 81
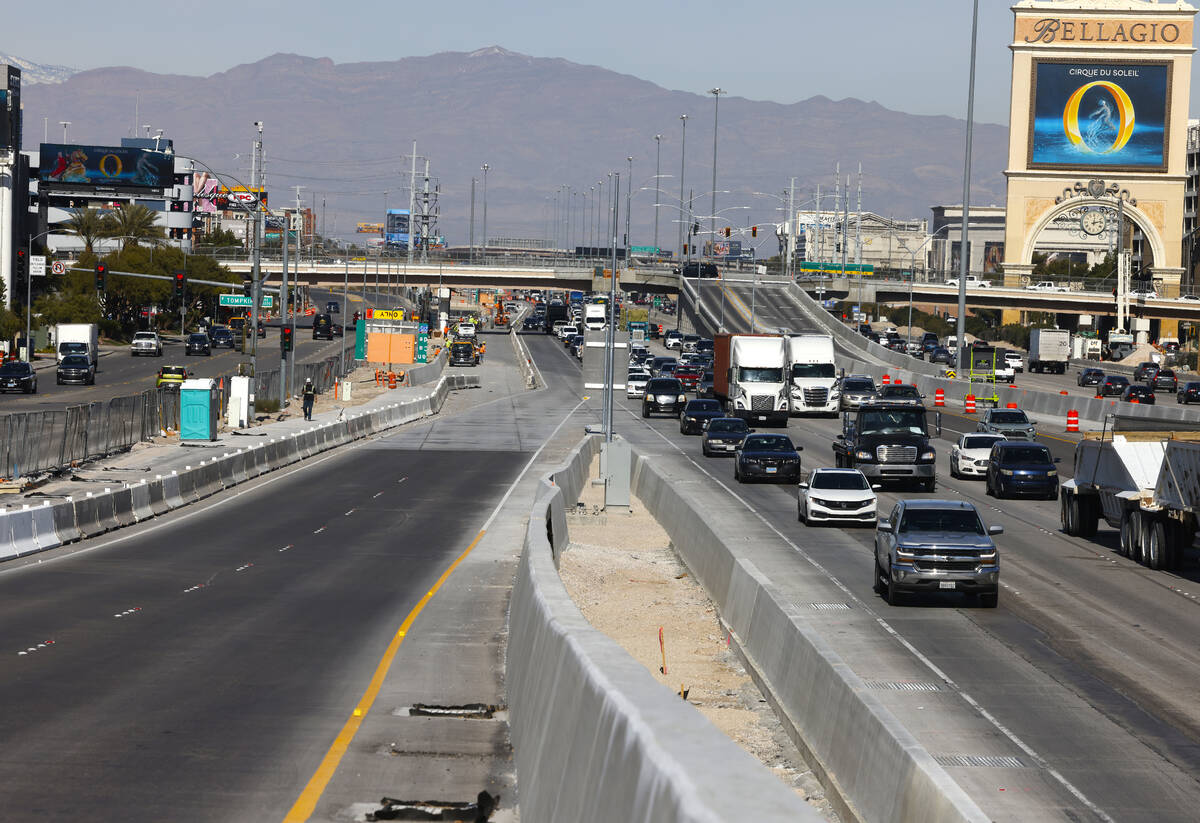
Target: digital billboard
x: 105, y: 167
x: 1099, y: 114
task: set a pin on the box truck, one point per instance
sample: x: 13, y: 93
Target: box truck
x: 78, y: 338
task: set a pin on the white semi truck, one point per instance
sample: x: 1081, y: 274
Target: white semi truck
x: 749, y: 376
x: 812, y: 375
x: 1144, y: 483
x: 1049, y: 350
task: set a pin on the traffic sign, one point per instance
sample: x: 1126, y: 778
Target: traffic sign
x: 386, y: 314
x: 241, y: 301
x: 37, y: 265
x: 58, y: 267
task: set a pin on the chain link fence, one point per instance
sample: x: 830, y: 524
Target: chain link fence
x: 32, y: 442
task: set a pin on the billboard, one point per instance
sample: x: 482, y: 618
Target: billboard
x: 71, y: 166
x: 1099, y: 115
x: 210, y: 196
x: 993, y: 256
x: 369, y: 228
x: 10, y: 110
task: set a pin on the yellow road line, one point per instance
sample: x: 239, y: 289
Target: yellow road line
x: 307, y: 801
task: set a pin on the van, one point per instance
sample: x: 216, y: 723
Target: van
x: 595, y: 316
x: 322, y: 327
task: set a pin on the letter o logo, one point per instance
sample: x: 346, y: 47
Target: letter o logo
x: 104, y: 165
x: 1124, y: 110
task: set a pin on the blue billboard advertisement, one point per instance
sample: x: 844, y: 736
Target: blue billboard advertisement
x: 105, y: 167
x: 1099, y: 114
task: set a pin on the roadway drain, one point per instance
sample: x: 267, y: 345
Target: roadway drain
x: 467, y: 711
x: 829, y: 607
x: 479, y: 811
x: 902, y: 685
x: 980, y: 760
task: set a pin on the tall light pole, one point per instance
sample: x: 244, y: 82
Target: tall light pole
x: 64, y: 124
x: 964, y: 262
x: 657, y: 168
x: 712, y: 225
x: 682, y: 157
x: 599, y: 210
x: 628, y: 202
x: 484, y: 168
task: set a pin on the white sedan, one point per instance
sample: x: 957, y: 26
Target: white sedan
x: 635, y: 383
x: 836, y: 495
x: 969, y: 456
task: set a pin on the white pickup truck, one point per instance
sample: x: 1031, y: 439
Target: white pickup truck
x: 1048, y: 286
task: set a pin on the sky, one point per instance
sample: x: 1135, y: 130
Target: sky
x: 910, y: 56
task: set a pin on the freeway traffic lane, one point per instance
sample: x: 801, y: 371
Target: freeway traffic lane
x: 200, y: 666
x: 1087, y: 662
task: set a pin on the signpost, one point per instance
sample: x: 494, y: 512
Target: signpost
x: 241, y: 301
x: 423, y: 343
x: 37, y: 265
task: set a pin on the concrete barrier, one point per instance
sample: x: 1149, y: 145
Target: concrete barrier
x: 43, y: 527
x: 141, y: 501
x: 17, y: 533
x: 173, y: 491
x: 596, y: 737
x: 7, y: 548
x: 122, y: 501
x: 866, y: 756
x: 88, y: 518
x: 65, y: 524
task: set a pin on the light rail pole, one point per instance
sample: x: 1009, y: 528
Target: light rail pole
x: 964, y: 263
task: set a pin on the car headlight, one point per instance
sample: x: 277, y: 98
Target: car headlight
x: 1006, y: 472
x: 1030, y: 430
x: 1052, y: 473
x: 862, y: 454
x: 682, y: 398
x: 929, y: 455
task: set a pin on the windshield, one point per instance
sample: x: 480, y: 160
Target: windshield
x: 664, y: 386
x: 858, y: 385
x: 1117, y: 379
x: 72, y: 347
x: 1026, y: 454
x: 893, y: 421
x: 980, y: 442
x: 1009, y: 417
x: 888, y: 392
x: 747, y: 374
x: 703, y: 406
x: 728, y: 424
x: 13, y: 369
x: 960, y: 521
x: 851, y: 481
x: 768, y: 443
x: 812, y: 370
x: 76, y: 361
x: 144, y: 335
x: 197, y: 338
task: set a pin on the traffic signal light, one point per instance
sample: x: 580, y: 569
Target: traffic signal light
x: 248, y: 288
x: 285, y: 339
x: 754, y: 231
x: 101, y: 274
x: 180, y: 284
x: 727, y: 231
x: 21, y: 263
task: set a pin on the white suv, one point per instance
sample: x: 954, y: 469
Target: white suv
x: 146, y: 342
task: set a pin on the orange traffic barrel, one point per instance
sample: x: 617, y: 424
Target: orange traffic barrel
x: 939, y: 397
x: 887, y: 381
x: 1072, y: 421
x: 969, y: 404
x: 391, y: 380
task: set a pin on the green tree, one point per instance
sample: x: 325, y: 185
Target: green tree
x: 135, y: 223
x: 89, y: 225
x: 219, y: 239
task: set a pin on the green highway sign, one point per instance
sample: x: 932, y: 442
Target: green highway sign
x: 241, y: 301
x: 836, y: 268
x: 645, y: 249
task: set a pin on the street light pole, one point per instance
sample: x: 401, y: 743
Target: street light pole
x: 682, y: 157
x: 64, y: 124
x: 485, y: 168
x: 712, y: 225
x: 657, y: 168
x: 628, y: 203
x: 964, y: 262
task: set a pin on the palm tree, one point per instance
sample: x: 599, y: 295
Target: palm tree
x: 89, y: 225
x: 135, y: 222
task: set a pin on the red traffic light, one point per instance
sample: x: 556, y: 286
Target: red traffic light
x: 754, y: 231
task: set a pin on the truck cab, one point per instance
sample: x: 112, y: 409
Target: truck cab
x: 812, y: 375
x: 889, y: 442
x: 756, y: 388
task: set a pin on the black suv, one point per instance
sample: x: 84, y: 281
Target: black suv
x: 664, y: 395
x: 1165, y: 380
x: 198, y: 343
x: 1188, y: 393
x: 222, y: 338
x: 18, y: 376
x: 1090, y: 377
x: 322, y: 327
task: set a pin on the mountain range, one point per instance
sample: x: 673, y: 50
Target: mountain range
x: 343, y: 133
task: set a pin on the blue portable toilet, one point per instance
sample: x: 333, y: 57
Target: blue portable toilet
x: 199, y: 409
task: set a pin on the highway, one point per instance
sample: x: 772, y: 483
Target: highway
x: 200, y: 666
x: 1089, y: 662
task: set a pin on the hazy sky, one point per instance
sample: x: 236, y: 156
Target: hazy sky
x: 908, y: 56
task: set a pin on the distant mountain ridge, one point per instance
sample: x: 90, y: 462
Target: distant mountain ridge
x: 32, y: 73
x: 342, y: 133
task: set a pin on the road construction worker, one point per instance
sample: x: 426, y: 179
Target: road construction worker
x: 310, y: 397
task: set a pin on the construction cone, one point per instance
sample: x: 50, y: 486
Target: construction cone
x: 1072, y: 421
x: 939, y: 397
x: 969, y: 404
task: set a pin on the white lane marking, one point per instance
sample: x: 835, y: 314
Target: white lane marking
x: 377, y: 494
x: 43, y: 645
x: 128, y: 612
x: 285, y: 548
x: 318, y: 531
x: 244, y: 567
x: 1038, y: 760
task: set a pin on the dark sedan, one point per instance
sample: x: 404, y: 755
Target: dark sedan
x: 1189, y: 393
x: 696, y: 413
x: 664, y: 395
x: 1016, y: 468
x: 532, y: 324
x: 1113, y: 385
x: 76, y: 368
x: 18, y: 376
x: 723, y: 435
x: 941, y: 354
x: 198, y: 343
x: 1138, y: 394
x: 1090, y: 377
x: 1164, y: 380
x: 222, y: 338
x: 767, y: 457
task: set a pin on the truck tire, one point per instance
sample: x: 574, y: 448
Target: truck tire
x: 929, y: 485
x: 1069, y: 514
x: 878, y: 586
x: 1137, y: 534
x: 1156, y: 543
x: 1125, y: 548
x: 890, y: 595
x: 990, y: 600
